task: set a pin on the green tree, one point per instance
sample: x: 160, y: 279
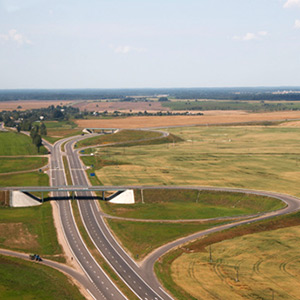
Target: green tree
x: 34, y: 132
x: 37, y: 140
x: 43, y: 129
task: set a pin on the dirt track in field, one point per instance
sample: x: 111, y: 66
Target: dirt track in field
x: 207, y: 119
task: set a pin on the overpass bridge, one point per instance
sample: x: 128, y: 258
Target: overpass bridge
x: 69, y: 189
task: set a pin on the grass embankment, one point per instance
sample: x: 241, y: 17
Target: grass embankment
x: 271, y: 243
x: 104, y: 265
x: 26, y: 280
x: 140, y: 238
x: 14, y: 164
x: 265, y: 158
x: 123, y: 136
x: 57, y: 130
x: 30, y: 229
x: 168, y: 204
x: 25, y: 179
x: 13, y: 143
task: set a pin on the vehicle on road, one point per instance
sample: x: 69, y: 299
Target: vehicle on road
x: 35, y: 257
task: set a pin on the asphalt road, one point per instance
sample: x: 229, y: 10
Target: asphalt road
x: 141, y: 280
x: 102, y: 287
x: 123, y: 265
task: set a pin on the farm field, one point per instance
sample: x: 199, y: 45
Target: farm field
x: 57, y: 130
x: 207, y: 118
x: 256, y: 157
x: 30, y: 104
x: 27, y: 280
x: 190, y: 204
x: 14, y: 164
x: 266, y: 262
x: 112, y: 106
x: 12, y: 143
x: 30, y: 229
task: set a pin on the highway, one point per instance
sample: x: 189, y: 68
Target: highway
x: 141, y: 280
x: 102, y: 287
x: 123, y: 265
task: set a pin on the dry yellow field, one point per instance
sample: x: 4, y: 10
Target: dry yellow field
x: 207, y: 118
x: 33, y: 104
x: 257, y: 157
x: 248, y: 267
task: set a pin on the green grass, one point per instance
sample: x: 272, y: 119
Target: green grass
x: 67, y: 171
x: 13, y: 164
x: 57, y: 130
x: 190, y: 204
x: 259, y: 157
x: 27, y: 280
x: 30, y: 229
x: 25, y: 179
x: 140, y: 238
x: 123, y: 136
x: 12, y: 143
x: 60, y: 124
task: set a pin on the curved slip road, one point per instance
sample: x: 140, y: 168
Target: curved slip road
x: 141, y: 280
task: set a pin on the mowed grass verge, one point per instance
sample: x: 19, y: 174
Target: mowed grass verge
x: 141, y: 238
x: 257, y: 157
x: 167, y: 204
x: 27, y: 280
x: 25, y: 179
x: 30, y: 229
x: 13, y: 143
x: 274, y: 231
x: 14, y: 164
x: 122, y: 136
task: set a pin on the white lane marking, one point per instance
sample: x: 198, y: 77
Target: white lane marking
x: 121, y: 258
x: 91, y: 294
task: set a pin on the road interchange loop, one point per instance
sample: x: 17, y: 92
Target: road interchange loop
x: 140, y: 278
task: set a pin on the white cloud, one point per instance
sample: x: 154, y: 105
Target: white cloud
x: 297, y: 24
x: 262, y: 33
x: 14, y: 36
x: 126, y: 49
x: 251, y: 36
x: 291, y: 3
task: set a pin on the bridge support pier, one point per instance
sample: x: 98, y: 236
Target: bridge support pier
x: 103, y: 195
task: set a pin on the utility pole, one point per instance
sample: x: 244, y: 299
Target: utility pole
x: 142, y: 195
x: 210, y: 254
x: 237, y: 274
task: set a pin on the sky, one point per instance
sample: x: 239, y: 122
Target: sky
x: 61, y: 44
